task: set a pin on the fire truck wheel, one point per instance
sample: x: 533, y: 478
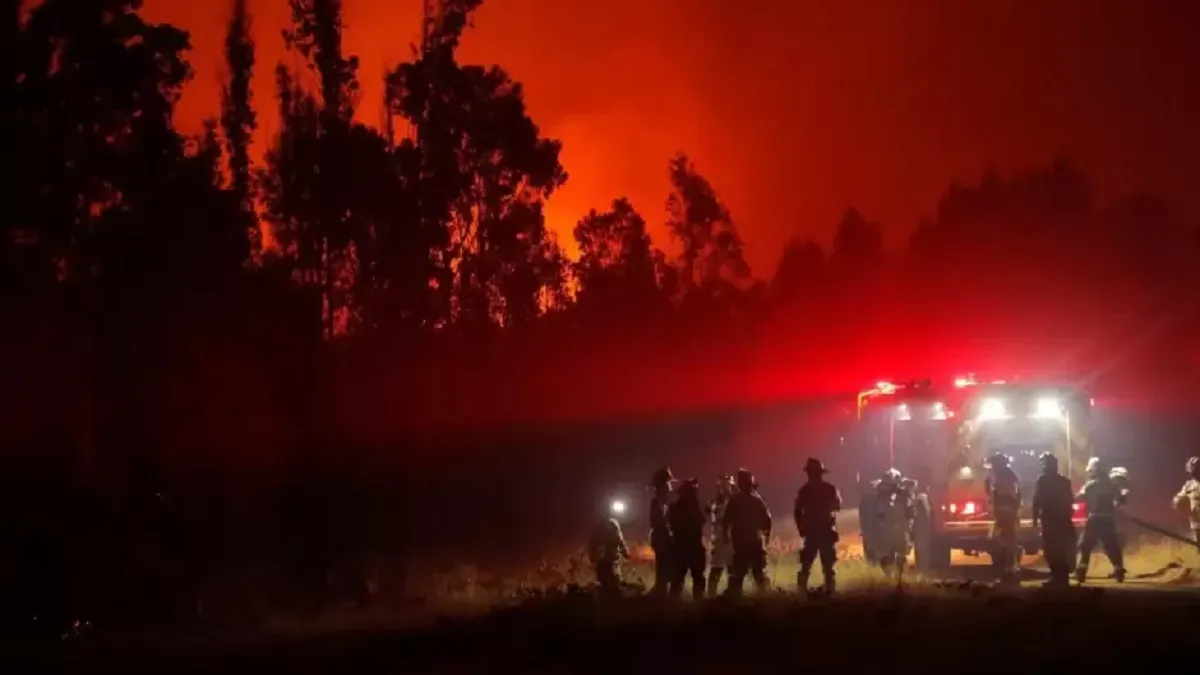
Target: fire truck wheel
x: 932, y: 554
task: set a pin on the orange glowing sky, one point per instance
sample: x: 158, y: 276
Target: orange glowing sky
x: 797, y: 108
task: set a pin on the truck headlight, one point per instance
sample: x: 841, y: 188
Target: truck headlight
x: 617, y: 507
x: 1048, y: 408
x: 992, y: 409
x: 902, y: 412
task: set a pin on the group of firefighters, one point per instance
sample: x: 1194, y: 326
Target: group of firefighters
x: 739, y: 525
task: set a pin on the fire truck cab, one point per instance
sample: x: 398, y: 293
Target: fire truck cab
x: 942, y: 436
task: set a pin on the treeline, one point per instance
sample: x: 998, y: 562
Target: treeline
x: 413, y: 275
x: 412, y: 271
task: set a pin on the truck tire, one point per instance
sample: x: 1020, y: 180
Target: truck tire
x: 932, y: 553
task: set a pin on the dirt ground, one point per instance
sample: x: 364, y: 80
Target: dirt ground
x: 915, y: 630
x: 546, y: 620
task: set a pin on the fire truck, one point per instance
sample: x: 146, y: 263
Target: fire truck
x: 941, y: 435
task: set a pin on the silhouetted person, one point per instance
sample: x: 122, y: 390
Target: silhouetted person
x: 1052, y: 506
x: 722, y: 548
x: 686, y: 518
x: 817, y: 504
x: 1189, y: 496
x: 661, y: 540
x: 1004, y: 495
x: 608, y: 550
x: 1101, y: 495
x: 893, y: 520
x: 747, y: 523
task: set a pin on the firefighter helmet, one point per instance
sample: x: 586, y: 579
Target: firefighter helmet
x: 745, y: 480
x: 1049, y: 462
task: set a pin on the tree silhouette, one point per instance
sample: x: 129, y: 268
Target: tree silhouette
x: 238, y: 119
x: 311, y: 201
x: 857, y: 244
x: 484, y: 173
x: 857, y: 262
x: 712, y: 260
x: 93, y: 113
x: 800, y: 275
x: 616, y: 267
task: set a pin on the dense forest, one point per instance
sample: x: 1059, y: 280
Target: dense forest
x: 171, y: 308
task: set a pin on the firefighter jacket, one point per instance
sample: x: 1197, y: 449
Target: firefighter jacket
x: 817, y: 502
x: 608, y: 544
x: 1190, y: 495
x: 686, y: 519
x: 895, y: 514
x: 1101, y: 497
x: 660, y: 528
x: 1052, y: 499
x: 747, y: 521
x: 1003, y: 486
x: 722, y: 547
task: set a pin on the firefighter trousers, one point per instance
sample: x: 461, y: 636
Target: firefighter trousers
x: 608, y: 578
x: 753, y: 562
x: 1004, y: 538
x: 1103, y: 531
x: 689, y: 560
x: 1058, y: 547
x: 813, y: 548
x: 664, y: 569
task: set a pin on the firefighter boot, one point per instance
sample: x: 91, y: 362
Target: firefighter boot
x: 802, y: 581
x: 1118, y: 574
x: 830, y: 583
x: 1081, y: 573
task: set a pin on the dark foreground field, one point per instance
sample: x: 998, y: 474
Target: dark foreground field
x: 924, y: 630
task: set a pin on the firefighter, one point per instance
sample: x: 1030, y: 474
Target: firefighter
x: 1189, y: 496
x: 686, y: 518
x: 608, y: 550
x: 722, y: 548
x: 1004, y: 496
x: 1052, y: 501
x: 1101, y: 496
x: 817, y: 502
x: 662, y: 482
x: 894, y: 515
x: 747, y: 524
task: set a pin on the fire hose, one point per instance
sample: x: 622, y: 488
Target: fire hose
x: 1157, y: 529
